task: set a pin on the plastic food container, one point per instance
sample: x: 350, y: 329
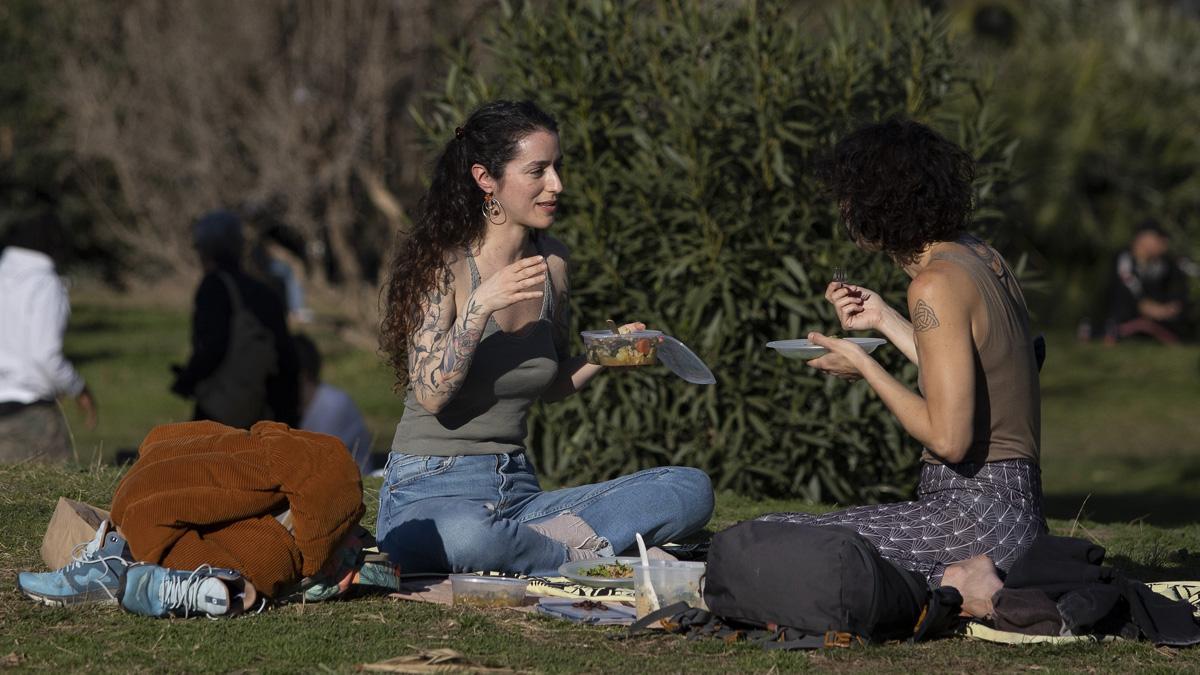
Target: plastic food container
x: 636, y: 348
x: 475, y: 591
x: 666, y: 582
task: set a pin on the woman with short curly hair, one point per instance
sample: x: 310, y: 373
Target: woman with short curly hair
x: 904, y: 190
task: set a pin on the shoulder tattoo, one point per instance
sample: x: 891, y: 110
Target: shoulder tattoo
x: 923, y: 317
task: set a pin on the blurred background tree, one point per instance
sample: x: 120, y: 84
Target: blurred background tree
x: 40, y: 178
x: 1103, y: 95
x: 292, y: 112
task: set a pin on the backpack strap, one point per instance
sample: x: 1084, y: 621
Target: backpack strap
x: 235, y: 298
x: 673, y: 614
x: 783, y: 638
x: 680, y: 618
x: 940, y: 615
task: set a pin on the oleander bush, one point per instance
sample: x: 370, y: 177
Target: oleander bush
x: 690, y: 131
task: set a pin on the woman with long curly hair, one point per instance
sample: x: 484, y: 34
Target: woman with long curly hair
x: 476, y: 328
x: 904, y: 190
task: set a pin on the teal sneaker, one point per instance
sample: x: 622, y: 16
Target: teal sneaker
x: 93, y: 576
x: 150, y: 590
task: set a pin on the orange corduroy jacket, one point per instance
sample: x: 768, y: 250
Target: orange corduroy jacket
x: 205, y: 493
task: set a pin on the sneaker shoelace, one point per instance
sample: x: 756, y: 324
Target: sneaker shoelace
x: 184, y: 592
x: 86, y: 552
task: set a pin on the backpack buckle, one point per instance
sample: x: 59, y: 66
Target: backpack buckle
x: 838, y: 639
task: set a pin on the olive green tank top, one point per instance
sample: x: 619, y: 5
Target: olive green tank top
x: 488, y: 414
x: 1008, y: 405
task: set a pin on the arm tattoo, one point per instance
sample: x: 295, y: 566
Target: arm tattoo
x: 463, y: 339
x: 440, y: 355
x: 923, y: 317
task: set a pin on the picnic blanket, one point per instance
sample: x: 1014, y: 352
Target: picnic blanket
x: 1188, y: 591
x: 436, y: 588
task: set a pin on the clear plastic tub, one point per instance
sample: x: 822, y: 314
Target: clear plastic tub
x: 475, y: 591
x: 636, y: 348
x: 666, y: 582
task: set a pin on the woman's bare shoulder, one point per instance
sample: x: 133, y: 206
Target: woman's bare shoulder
x: 557, y: 257
x: 454, y: 277
x: 942, y: 280
x: 553, y: 248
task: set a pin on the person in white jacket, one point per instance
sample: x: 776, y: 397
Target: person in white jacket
x: 34, y: 374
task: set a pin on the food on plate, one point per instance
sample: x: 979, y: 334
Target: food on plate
x: 617, y: 570
x: 590, y: 605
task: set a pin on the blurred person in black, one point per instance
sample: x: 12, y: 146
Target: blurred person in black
x: 243, y: 366
x: 1147, y: 292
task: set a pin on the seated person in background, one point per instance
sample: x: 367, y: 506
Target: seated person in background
x: 243, y: 365
x: 329, y: 410
x: 33, y: 371
x: 1147, y: 289
x: 905, y: 191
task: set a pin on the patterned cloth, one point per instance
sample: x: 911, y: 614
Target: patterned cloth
x: 962, y: 510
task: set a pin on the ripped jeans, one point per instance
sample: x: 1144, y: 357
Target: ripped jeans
x: 471, y: 512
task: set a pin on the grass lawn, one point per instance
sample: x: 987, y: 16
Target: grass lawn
x: 1118, y: 452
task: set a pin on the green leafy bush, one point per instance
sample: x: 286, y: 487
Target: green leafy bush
x: 689, y: 132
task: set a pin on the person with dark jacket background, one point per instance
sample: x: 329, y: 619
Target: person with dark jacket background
x: 243, y: 366
x: 1147, y: 292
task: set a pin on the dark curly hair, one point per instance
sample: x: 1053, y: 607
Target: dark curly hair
x: 900, y: 186
x: 450, y: 216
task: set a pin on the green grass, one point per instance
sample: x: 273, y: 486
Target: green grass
x: 339, y: 635
x: 1117, y: 423
x: 1120, y: 430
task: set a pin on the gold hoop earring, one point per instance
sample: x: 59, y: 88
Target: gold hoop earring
x: 493, y: 210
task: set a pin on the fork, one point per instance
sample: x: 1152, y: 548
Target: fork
x: 839, y: 275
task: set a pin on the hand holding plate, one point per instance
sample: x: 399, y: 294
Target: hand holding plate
x: 842, y: 359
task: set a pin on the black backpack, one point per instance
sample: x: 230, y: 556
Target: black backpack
x: 236, y: 392
x: 802, y: 587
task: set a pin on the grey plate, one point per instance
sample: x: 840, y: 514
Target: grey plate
x: 803, y: 349
x: 573, y: 570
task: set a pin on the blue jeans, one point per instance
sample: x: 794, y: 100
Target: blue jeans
x: 472, y: 512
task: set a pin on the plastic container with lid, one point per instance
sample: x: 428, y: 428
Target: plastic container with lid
x: 636, y: 348
x: 475, y: 591
x: 666, y: 582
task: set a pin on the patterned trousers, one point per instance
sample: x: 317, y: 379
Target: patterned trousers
x: 962, y: 510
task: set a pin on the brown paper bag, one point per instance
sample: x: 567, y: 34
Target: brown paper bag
x: 72, y: 524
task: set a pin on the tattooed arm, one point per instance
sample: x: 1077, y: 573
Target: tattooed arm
x: 440, y: 351
x: 940, y: 301
x: 573, y: 372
